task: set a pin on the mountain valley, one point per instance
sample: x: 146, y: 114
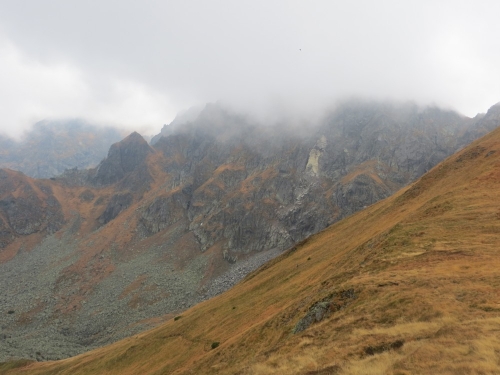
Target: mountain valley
x: 96, y: 255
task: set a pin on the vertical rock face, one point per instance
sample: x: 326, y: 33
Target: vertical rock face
x: 123, y: 158
x: 251, y: 188
x: 163, y: 212
x: 26, y: 207
x: 117, y: 204
x: 313, y: 163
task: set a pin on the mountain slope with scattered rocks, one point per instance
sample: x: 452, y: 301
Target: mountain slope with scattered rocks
x: 155, y: 229
x: 408, y: 285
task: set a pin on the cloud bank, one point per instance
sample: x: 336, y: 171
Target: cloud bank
x: 136, y: 64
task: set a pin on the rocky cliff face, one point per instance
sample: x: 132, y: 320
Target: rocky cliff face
x: 26, y: 207
x: 250, y: 188
x: 123, y: 158
x: 154, y: 229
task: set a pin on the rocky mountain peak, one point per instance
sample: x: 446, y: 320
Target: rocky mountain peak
x: 123, y: 157
x: 494, y: 111
x: 133, y: 137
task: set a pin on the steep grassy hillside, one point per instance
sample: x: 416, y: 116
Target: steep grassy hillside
x: 406, y: 286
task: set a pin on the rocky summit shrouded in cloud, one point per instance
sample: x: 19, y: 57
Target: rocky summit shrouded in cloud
x: 94, y: 255
x: 138, y: 64
x: 408, y: 285
x: 319, y: 110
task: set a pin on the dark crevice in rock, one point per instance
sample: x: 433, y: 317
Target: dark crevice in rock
x: 324, y: 308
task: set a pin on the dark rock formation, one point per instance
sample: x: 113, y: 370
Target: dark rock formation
x: 358, y: 193
x: 323, y: 308
x: 123, y: 158
x: 26, y: 208
x: 163, y: 212
x: 126, y: 166
x: 254, y: 187
x: 87, y: 196
x: 117, y: 204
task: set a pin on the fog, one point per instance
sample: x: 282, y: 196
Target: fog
x: 136, y: 64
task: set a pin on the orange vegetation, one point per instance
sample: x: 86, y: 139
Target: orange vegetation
x: 423, y: 264
x: 367, y: 168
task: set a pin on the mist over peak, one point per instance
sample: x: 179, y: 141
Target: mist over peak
x: 139, y: 64
x: 49, y: 147
x: 224, y: 120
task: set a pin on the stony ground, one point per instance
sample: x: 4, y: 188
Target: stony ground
x: 31, y: 327
x: 238, y: 271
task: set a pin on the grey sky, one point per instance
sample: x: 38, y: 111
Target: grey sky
x: 137, y: 63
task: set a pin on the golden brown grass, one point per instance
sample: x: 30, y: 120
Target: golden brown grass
x: 424, y: 265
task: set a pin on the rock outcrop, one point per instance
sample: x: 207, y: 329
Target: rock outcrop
x: 124, y: 158
x: 26, y: 206
x: 251, y: 188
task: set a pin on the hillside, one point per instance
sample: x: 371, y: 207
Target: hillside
x: 407, y: 286
x: 93, y: 256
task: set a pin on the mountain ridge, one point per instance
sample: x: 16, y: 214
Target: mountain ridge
x: 408, y: 285
x: 197, y: 211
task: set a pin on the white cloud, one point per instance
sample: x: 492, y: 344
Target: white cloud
x: 138, y: 63
x: 33, y: 90
x: 130, y: 104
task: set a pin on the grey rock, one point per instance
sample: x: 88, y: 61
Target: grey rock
x: 117, y: 204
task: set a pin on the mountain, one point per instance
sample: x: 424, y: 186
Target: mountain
x: 408, y: 285
x: 50, y: 147
x: 153, y: 230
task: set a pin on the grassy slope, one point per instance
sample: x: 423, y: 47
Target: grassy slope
x: 424, y: 266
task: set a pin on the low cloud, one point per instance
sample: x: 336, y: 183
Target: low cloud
x: 137, y: 64
x: 55, y: 89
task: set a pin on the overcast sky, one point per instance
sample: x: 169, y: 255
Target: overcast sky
x: 137, y: 63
